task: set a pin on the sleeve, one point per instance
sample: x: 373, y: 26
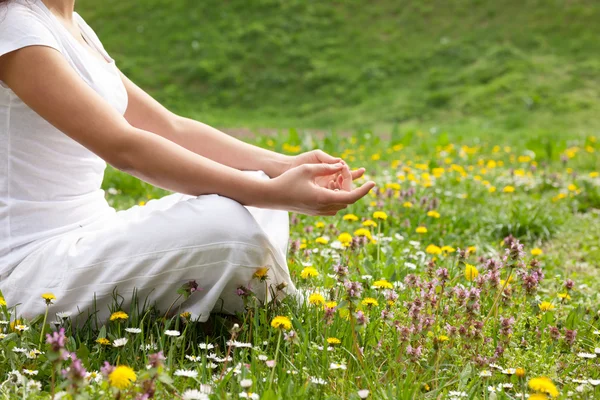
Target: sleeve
x: 21, y: 27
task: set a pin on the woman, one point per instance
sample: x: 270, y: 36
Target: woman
x: 65, y: 111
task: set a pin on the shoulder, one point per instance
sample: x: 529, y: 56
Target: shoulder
x: 20, y: 13
x: 22, y: 24
x: 23, y: 19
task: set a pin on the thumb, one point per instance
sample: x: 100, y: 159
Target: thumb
x: 326, y: 158
x: 324, y: 169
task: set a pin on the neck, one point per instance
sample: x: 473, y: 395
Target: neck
x: 62, y: 8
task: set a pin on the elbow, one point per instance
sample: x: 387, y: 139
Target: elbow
x: 124, y: 153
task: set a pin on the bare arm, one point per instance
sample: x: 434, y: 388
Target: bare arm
x: 69, y: 104
x: 146, y: 113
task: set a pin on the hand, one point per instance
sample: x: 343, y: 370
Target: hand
x: 297, y: 190
x: 341, y: 180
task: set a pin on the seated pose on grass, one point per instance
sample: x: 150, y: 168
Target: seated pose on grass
x: 65, y: 111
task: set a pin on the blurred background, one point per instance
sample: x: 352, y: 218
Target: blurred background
x: 502, y: 68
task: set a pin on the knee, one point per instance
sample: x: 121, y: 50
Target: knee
x: 229, y: 221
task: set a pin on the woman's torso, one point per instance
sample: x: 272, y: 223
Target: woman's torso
x: 49, y: 183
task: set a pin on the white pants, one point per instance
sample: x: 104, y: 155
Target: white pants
x: 154, y: 250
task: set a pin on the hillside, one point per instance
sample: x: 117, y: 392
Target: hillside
x: 515, y: 65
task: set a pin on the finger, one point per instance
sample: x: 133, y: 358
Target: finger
x: 358, y: 173
x: 350, y: 197
x: 323, y: 169
x: 326, y: 158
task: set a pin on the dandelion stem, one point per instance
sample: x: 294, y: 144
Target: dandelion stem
x: 43, y: 327
x: 276, y: 357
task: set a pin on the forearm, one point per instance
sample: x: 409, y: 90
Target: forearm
x: 211, y: 143
x: 165, y: 164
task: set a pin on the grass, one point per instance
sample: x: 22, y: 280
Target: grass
x: 472, y: 67
x: 467, y: 312
x: 477, y: 119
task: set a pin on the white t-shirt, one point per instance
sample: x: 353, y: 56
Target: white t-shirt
x: 49, y: 183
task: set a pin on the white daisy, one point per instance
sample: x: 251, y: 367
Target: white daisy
x: 193, y: 358
x: 246, y: 383
x: 120, y: 342
x: 252, y: 396
x: 194, y: 394
x: 235, y: 343
x: 172, y: 333
x: 334, y: 366
x: 93, y: 376
x: 30, y: 372
x: 318, y: 381
x: 33, y: 354
x: 19, y: 350
x: 188, y: 373
x: 586, y: 355
x: 363, y: 394
x: 34, y: 386
x: 485, y: 374
x: 205, y: 346
x: 63, y: 314
x: 133, y: 330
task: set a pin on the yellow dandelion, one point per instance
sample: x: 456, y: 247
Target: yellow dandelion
x: 49, y: 298
x: 536, y: 252
x: 103, y: 341
x: 333, y: 340
x: 546, y: 306
x: 448, y: 249
x: 350, y: 217
x: 537, y: 396
x: 380, y: 215
x: 407, y: 204
x: 185, y: 315
x: 261, y: 273
x: 433, y: 249
x: 433, y: 214
x: 382, y: 284
x: 471, y: 272
x: 345, y: 238
x: 316, y: 299
x: 2, y: 301
x: 564, y: 296
x: 309, y: 272
x: 594, y: 174
x: 421, y: 229
x: 369, y: 223
x: 362, y: 232
x: 443, y: 338
x: 331, y: 304
x: 320, y: 224
x: 281, y: 322
x: 118, y: 315
x: 520, y: 372
x: 508, y: 189
x: 322, y: 240
x: 122, y: 377
x: 543, y: 385
x: 369, y: 302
